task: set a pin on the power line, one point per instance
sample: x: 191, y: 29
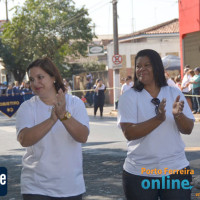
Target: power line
x: 79, y: 15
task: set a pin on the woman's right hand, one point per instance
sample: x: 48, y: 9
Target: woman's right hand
x: 161, y: 110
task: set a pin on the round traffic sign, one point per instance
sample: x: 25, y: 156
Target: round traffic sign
x: 117, y: 59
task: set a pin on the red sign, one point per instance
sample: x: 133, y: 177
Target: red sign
x: 117, y: 59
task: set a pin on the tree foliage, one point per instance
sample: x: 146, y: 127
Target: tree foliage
x: 53, y: 28
x: 17, y: 66
x: 77, y: 68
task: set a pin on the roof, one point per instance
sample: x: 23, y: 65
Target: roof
x: 2, y: 22
x: 103, y: 39
x: 168, y: 27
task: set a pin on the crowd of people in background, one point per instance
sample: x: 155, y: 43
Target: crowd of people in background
x: 14, y: 89
x: 189, y: 85
x: 24, y: 89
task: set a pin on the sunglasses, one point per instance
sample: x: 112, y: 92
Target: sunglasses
x: 156, y: 102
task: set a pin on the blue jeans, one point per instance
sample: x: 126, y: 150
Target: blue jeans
x: 132, y: 185
x: 196, y: 100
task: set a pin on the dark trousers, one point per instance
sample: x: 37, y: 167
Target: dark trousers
x: 42, y: 197
x: 196, y: 100
x: 132, y: 185
x: 100, y: 108
x: 99, y: 102
x: 89, y: 97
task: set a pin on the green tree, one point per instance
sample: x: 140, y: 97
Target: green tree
x: 77, y: 68
x: 12, y: 63
x: 94, y: 66
x: 53, y: 28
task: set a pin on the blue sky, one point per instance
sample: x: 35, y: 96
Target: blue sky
x: 133, y: 15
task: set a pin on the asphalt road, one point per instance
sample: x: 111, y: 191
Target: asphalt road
x: 103, y: 155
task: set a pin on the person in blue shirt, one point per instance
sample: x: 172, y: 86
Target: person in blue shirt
x: 16, y: 88
x: 26, y: 91
x: 9, y: 90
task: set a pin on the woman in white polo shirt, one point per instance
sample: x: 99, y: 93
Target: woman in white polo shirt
x: 51, y: 125
x: 152, y: 116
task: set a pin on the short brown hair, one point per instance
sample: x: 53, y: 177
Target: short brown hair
x: 49, y: 67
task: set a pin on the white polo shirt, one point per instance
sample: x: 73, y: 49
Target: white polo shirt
x: 163, y: 147
x: 52, y: 166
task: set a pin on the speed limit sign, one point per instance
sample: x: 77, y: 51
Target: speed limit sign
x: 117, y: 59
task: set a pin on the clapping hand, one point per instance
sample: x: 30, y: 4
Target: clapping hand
x: 161, y: 110
x: 60, y: 104
x: 53, y: 115
x: 177, y: 106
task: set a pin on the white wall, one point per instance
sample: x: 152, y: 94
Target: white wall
x: 162, y: 45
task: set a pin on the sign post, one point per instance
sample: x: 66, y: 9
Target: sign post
x: 117, y: 60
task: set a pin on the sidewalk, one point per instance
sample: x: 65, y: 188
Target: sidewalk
x: 109, y: 111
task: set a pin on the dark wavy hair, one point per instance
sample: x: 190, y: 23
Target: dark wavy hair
x: 158, y: 69
x: 49, y: 67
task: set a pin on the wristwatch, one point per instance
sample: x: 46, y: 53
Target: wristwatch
x: 66, y: 116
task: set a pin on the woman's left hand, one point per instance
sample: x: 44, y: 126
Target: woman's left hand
x: 53, y: 116
x: 60, y: 104
x: 177, y: 106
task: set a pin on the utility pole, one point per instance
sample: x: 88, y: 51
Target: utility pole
x: 115, y: 28
x: 116, y: 81
x: 6, y: 4
x: 6, y: 10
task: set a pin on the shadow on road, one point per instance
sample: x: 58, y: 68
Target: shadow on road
x: 99, y: 119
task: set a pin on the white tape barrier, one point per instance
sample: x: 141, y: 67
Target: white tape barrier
x: 92, y: 90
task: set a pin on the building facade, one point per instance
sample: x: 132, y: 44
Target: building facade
x: 164, y: 38
x: 189, y: 22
